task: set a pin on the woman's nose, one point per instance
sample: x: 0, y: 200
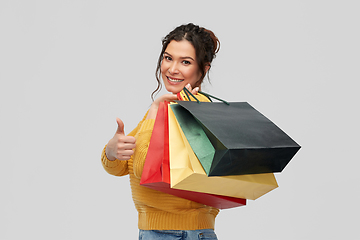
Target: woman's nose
x: 173, y: 69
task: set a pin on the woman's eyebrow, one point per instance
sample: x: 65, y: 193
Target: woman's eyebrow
x: 180, y: 57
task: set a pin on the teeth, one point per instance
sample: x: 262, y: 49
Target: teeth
x: 174, y: 80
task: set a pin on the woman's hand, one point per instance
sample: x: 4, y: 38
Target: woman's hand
x: 193, y: 91
x: 120, y: 146
x: 155, y: 105
x: 169, y: 98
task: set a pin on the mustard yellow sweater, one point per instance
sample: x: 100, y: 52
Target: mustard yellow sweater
x: 157, y: 210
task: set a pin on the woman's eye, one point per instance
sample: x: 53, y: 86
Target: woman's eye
x: 186, y: 62
x: 167, y: 58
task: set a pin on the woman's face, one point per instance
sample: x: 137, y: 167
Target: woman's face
x: 179, y: 66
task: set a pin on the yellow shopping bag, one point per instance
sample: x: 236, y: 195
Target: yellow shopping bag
x: 187, y: 173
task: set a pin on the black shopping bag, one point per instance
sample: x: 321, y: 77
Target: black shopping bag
x: 245, y: 141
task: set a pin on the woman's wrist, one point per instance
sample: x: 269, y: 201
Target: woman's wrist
x: 153, y: 111
x: 107, y: 154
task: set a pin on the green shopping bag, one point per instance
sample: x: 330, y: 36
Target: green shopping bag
x: 195, y: 135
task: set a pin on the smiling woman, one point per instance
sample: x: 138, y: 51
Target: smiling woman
x: 184, y: 61
x: 179, y: 66
x: 192, y: 46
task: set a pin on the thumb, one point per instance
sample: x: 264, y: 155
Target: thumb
x: 120, y: 129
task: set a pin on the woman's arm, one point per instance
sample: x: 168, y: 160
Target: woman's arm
x: 114, y: 167
x: 155, y: 105
x: 167, y: 97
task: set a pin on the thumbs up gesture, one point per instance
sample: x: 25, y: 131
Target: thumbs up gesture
x: 120, y: 146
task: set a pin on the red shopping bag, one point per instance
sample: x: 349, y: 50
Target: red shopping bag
x: 156, y: 172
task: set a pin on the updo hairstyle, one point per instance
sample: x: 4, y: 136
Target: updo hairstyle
x: 204, y: 41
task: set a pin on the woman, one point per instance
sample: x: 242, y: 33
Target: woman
x: 184, y: 61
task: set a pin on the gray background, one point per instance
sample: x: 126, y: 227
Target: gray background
x: 69, y: 68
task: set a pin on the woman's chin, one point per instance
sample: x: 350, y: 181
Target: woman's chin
x: 174, y: 89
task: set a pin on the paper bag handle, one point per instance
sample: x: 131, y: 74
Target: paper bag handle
x: 187, y: 92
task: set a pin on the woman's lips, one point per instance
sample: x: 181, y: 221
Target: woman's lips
x: 174, y: 80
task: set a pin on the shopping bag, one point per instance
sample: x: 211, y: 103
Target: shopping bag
x: 244, y: 140
x: 195, y: 136
x: 187, y: 173
x: 156, y: 171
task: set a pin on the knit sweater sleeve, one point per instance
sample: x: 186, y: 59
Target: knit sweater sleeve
x: 142, y: 145
x: 116, y: 167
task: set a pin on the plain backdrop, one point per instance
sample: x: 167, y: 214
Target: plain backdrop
x: 69, y: 68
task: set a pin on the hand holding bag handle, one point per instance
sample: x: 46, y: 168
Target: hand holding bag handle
x: 187, y: 92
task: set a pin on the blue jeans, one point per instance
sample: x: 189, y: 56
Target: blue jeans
x: 177, y: 234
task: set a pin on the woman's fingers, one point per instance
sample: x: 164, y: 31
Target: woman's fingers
x: 125, y: 150
x: 127, y: 139
x: 120, y: 146
x: 193, y: 91
x: 121, y: 155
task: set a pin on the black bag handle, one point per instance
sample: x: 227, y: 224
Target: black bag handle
x: 187, y: 92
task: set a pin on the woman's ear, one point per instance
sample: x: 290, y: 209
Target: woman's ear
x: 207, y: 67
x: 198, y: 83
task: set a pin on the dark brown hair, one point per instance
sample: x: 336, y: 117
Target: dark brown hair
x: 204, y: 41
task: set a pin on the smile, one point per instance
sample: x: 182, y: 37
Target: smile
x: 174, y: 80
